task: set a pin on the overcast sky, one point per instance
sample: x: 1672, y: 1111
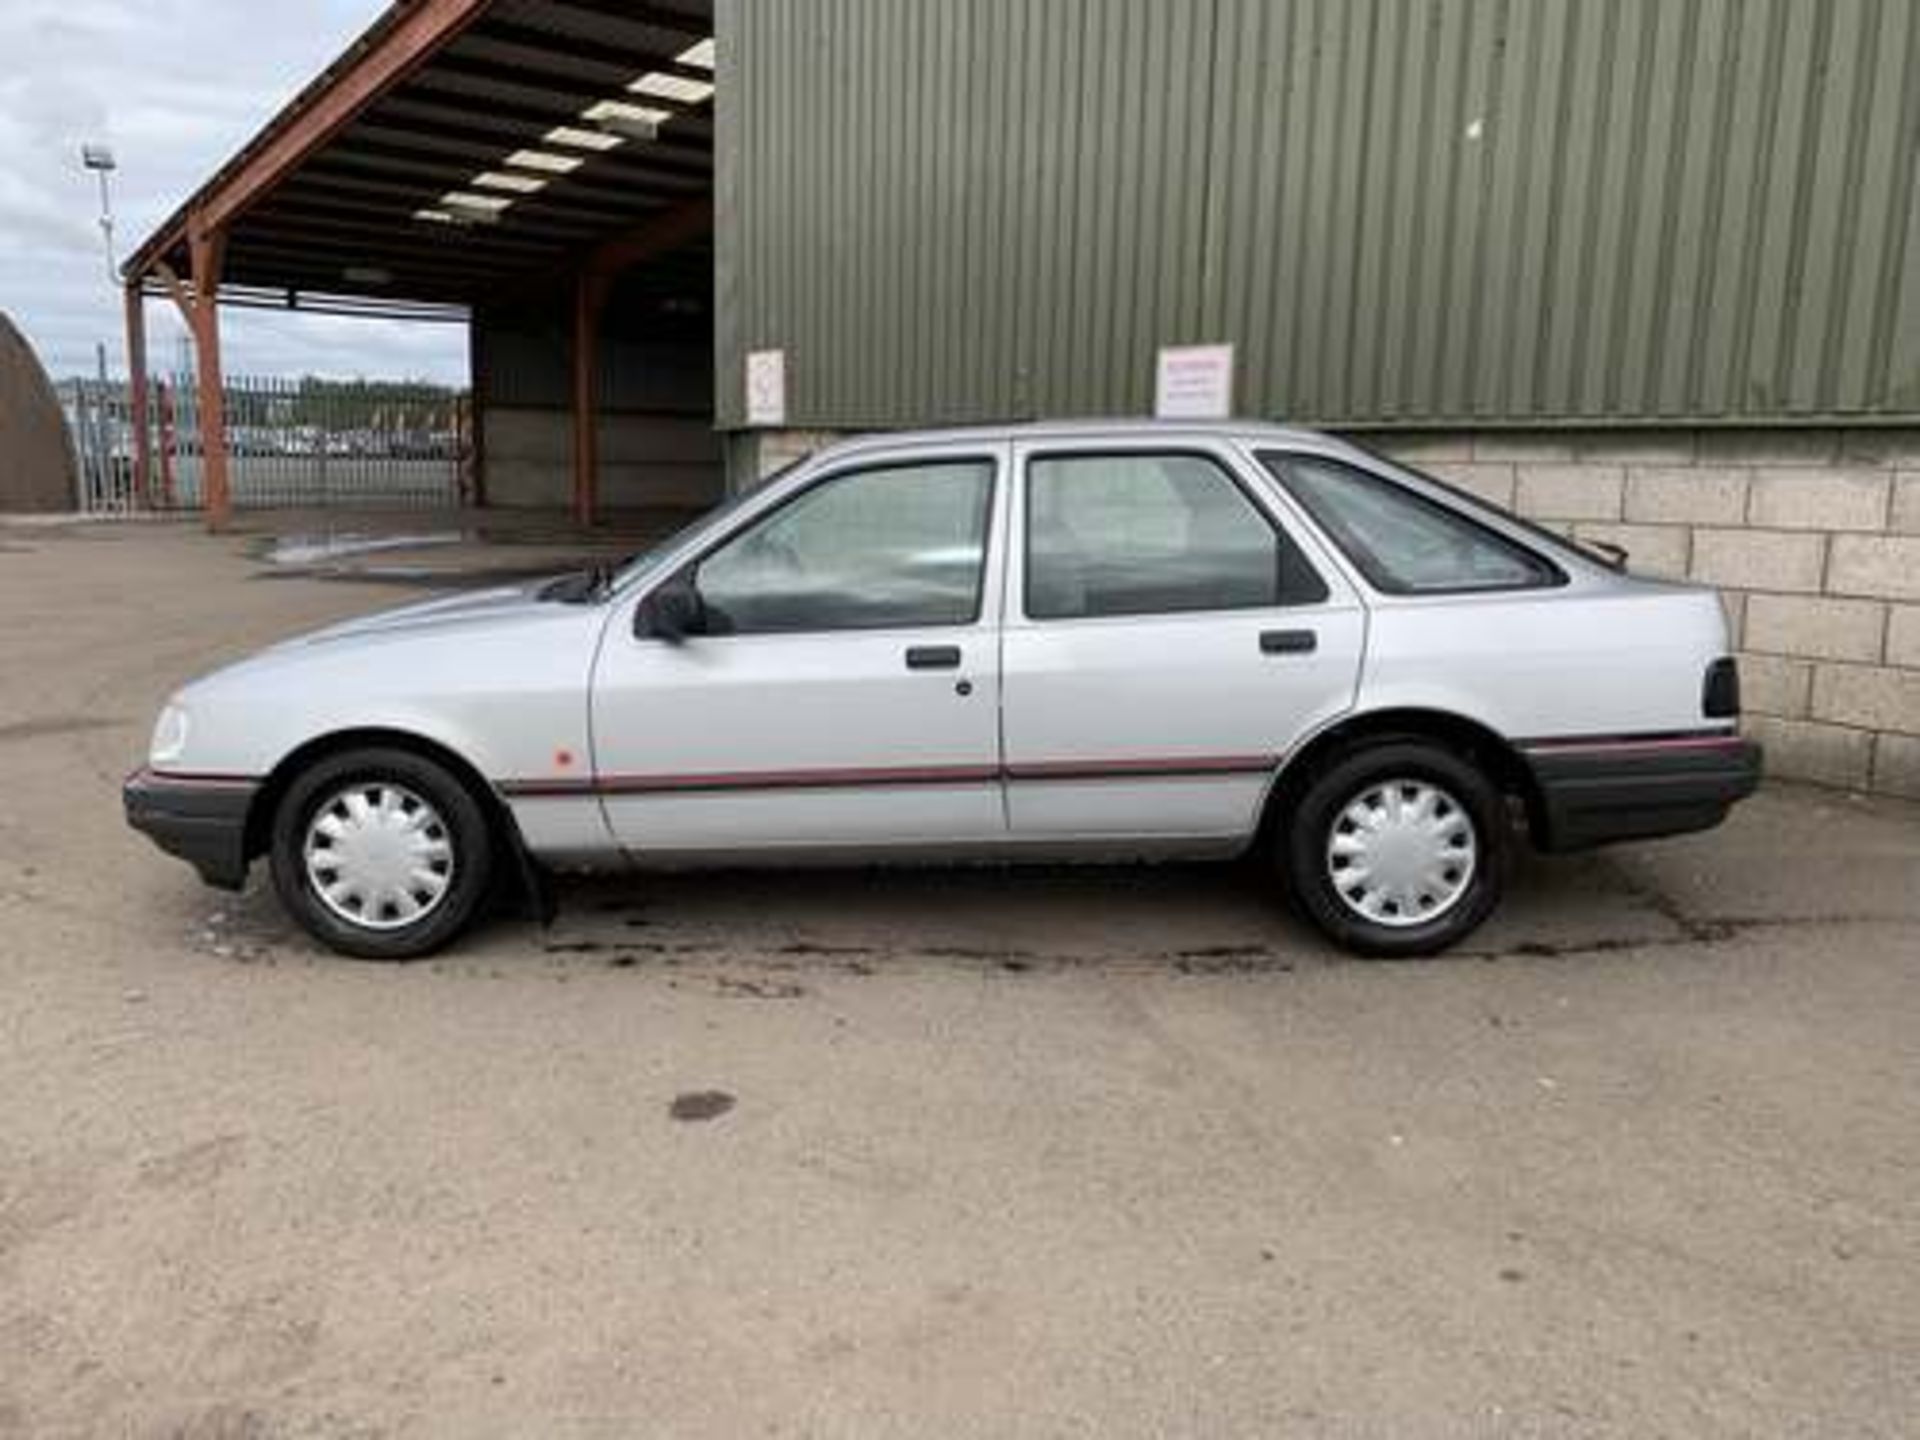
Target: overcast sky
x: 175, y: 86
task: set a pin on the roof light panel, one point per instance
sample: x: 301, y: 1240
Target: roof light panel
x: 505, y: 180
x: 699, y: 56
x: 545, y: 160
x: 580, y: 139
x: 467, y: 200
x: 621, y: 110
x: 672, y: 87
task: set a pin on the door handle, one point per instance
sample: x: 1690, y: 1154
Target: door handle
x: 1288, y: 642
x: 933, y: 657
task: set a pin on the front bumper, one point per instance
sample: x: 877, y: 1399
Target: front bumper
x: 200, y: 818
x: 1591, y: 794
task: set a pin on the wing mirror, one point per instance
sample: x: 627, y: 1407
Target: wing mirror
x: 671, y: 612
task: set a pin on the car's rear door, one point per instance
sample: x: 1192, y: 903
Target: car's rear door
x: 1168, y: 637
x: 847, y: 694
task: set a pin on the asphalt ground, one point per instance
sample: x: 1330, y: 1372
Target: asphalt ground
x: 1098, y: 1151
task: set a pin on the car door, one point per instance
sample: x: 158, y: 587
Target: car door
x: 1168, y: 637
x: 842, y: 688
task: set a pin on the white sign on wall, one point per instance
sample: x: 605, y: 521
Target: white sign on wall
x: 767, y: 387
x: 1194, y: 382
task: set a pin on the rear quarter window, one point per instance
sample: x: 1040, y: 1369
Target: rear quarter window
x: 1402, y: 541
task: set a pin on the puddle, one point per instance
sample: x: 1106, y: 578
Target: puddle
x: 417, y: 575
x: 313, y: 549
x: 47, y: 725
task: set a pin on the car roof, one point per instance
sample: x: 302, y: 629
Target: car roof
x: 1256, y: 431
x: 1249, y: 432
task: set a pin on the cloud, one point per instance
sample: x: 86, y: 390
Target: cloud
x: 176, y: 87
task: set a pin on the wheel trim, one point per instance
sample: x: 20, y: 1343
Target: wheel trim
x: 378, y: 855
x: 1401, y: 852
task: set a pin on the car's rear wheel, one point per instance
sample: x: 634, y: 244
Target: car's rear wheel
x: 1397, y: 848
x: 381, y: 854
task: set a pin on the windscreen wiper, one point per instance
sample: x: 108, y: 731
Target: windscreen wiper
x: 578, y: 587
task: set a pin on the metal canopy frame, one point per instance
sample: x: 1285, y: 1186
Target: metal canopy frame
x: 319, y: 212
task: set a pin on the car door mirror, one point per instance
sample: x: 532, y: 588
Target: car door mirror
x: 670, y: 612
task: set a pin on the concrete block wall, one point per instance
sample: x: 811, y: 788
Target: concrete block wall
x: 754, y: 456
x: 666, y: 461
x: 1812, y: 537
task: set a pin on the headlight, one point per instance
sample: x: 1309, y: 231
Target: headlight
x: 169, y: 736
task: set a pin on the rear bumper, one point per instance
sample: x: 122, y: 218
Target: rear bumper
x: 201, y: 819
x: 1594, y: 792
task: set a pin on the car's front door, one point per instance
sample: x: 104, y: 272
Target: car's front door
x: 841, y: 688
x: 1168, y: 637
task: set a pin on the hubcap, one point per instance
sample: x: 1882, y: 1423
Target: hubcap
x: 1401, y: 853
x: 378, y: 855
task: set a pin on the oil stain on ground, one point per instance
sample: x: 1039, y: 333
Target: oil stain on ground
x: 696, y: 1105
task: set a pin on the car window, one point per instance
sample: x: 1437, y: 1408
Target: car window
x: 899, y: 545
x: 642, y: 561
x: 1138, y: 534
x: 1403, y: 542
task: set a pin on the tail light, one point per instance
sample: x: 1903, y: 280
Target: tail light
x: 1720, y: 695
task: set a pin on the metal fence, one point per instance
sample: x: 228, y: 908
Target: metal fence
x: 290, y: 443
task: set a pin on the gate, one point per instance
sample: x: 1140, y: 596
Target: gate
x: 98, y: 420
x: 290, y: 443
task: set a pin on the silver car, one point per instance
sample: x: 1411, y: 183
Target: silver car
x: 1087, y: 640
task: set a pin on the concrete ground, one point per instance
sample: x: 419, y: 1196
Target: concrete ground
x: 1076, y: 1152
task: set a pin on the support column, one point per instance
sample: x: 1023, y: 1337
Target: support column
x: 137, y: 395
x: 587, y: 293
x: 479, y: 372
x: 208, y: 251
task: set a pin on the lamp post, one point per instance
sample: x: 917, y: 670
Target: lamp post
x: 99, y: 159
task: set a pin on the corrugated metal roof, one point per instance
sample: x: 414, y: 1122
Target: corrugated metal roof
x: 343, y: 221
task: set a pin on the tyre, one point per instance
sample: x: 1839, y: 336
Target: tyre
x: 1397, y: 848
x: 380, y: 854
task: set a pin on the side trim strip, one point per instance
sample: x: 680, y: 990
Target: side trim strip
x: 1148, y: 769
x: 891, y: 775
x: 1671, y: 740
x: 800, y: 779
x: 194, y: 777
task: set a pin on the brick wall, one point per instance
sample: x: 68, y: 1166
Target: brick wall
x: 1811, y: 536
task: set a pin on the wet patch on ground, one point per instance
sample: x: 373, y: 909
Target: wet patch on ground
x: 733, y: 987
x: 801, y: 927
x: 305, y: 550
x: 419, y: 577
x: 43, y: 726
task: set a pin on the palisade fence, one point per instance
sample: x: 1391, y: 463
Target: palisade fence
x: 294, y: 443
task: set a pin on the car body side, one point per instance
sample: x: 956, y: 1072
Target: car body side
x: 1588, y: 693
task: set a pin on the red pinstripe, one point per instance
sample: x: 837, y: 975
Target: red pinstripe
x: 845, y: 777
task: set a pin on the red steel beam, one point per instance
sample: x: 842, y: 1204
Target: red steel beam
x: 589, y: 293
x: 667, y: 231
x: 208, y: 247
x: 592, y: 282
x: 390, y: 60
x: 137, y: 393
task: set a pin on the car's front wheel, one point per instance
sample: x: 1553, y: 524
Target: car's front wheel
x: 381, y: 854
x: 1398, y: 848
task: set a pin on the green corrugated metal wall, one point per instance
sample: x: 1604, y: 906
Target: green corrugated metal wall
x: 1413, y: 212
